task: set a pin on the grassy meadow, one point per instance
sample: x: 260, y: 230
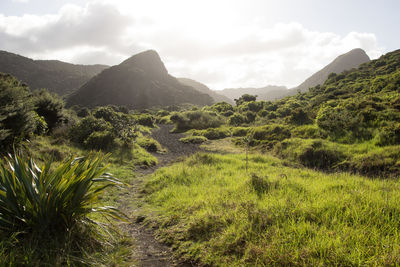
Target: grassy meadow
x: 214, y: 212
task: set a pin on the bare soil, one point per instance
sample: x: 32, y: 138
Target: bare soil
x: 148, y: 250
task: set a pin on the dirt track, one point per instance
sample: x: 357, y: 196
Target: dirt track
x: 148, y: 251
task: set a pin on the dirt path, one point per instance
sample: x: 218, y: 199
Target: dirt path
x: 148, y: 251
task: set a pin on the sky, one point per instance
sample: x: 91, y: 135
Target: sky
x: 221, y: 43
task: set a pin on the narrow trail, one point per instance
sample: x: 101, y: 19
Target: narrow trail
x: 148, y: 250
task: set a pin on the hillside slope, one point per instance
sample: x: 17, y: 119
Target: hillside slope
x: 270, y: 92
x: 57, y: 76
x: 141, y: 81
x: 204, y: 89
x: 351, y: 59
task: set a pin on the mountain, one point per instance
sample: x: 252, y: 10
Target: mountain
x: 204, y: 89
x: 347, y: 61
x: 350, y: 60
x: 141, y: 81
x: 270, y: 92
x: 57, y: 76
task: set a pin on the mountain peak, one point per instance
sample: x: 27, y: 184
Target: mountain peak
x: 356, y: 54
x: 148, y: 61
x: 347, y: 61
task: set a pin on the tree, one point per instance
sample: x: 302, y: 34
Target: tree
x: 17, y: 117
x: 49, y: 106
x: 245, y: 98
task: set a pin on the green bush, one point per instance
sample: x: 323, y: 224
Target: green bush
x: 380, y: 162
x: 51, y: 200
x: 308, y: 132
x: 237, y: 119
x: 195, y: 120
x: 194, y: 139
x: 146, y: 120
x: 103, y: 140
x: 213, y: 133
x: 222, y: 107
x: 17, y: 117
x: 311, y: 153
x: 389, y: 135
x: 149, y: 144
x: 82, y: 130
x: 269, y: 133
x: 49, y: 106
x: 240, y: 131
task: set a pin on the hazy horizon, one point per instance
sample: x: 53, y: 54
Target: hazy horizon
x: 224, y: 44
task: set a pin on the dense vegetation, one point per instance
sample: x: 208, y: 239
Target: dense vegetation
x: 350, y: 123
x: 301, y: 194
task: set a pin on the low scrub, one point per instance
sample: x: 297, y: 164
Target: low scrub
x: 195, y: 120
x: 311, y: 153
x: 269, y: 134
x: 194, y: 139
x: 213, y: 133
x: 149, y: 144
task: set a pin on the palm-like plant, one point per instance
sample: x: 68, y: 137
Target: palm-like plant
x: 34, y: 199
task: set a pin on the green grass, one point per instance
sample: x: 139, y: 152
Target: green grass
x: 106, y: 244
x: 212, y: 211
x: 365, y: 158
x: 193, y: 139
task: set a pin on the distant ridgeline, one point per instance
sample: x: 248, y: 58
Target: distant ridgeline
x: 141, y: 81
x: 56, y: 76
x: 351, y: 59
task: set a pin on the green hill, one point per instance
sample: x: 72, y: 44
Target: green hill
x: 204, y: 89
x: 141, y: 81
x: 56, y: 76
x: 351, y: 59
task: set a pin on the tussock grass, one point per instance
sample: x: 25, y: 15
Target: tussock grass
x: 215, y: 213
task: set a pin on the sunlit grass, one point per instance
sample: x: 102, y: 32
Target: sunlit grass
x: 213, y: 211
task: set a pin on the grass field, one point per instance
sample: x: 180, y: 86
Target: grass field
x: 215, y: 212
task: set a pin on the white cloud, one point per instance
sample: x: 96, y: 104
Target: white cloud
x: 194, y: 40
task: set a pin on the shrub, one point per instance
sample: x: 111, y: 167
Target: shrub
x: 50, y: 107
x: 213, y: 133
x: 307, y: 132
x: 51, y: 200
x: 222, y: 107
x: 17, y: 116
x: 299, y: 117
x: 146, y: 120
x: 82, y: 130
x: 164, y: 120
x: 162, y: 113
x: 195, y: 120
x: 269, y: 133
x: 103, y: 140
x: 380, y: 162
x: 245, y: 98
x: 240, y: 131
x: 149, y: 144
x: 316, y: 153
x: 237, y: 119
x: 250, y: 116
x: 83, y: 112
x: 389, y: 135
x: 194, y: 139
